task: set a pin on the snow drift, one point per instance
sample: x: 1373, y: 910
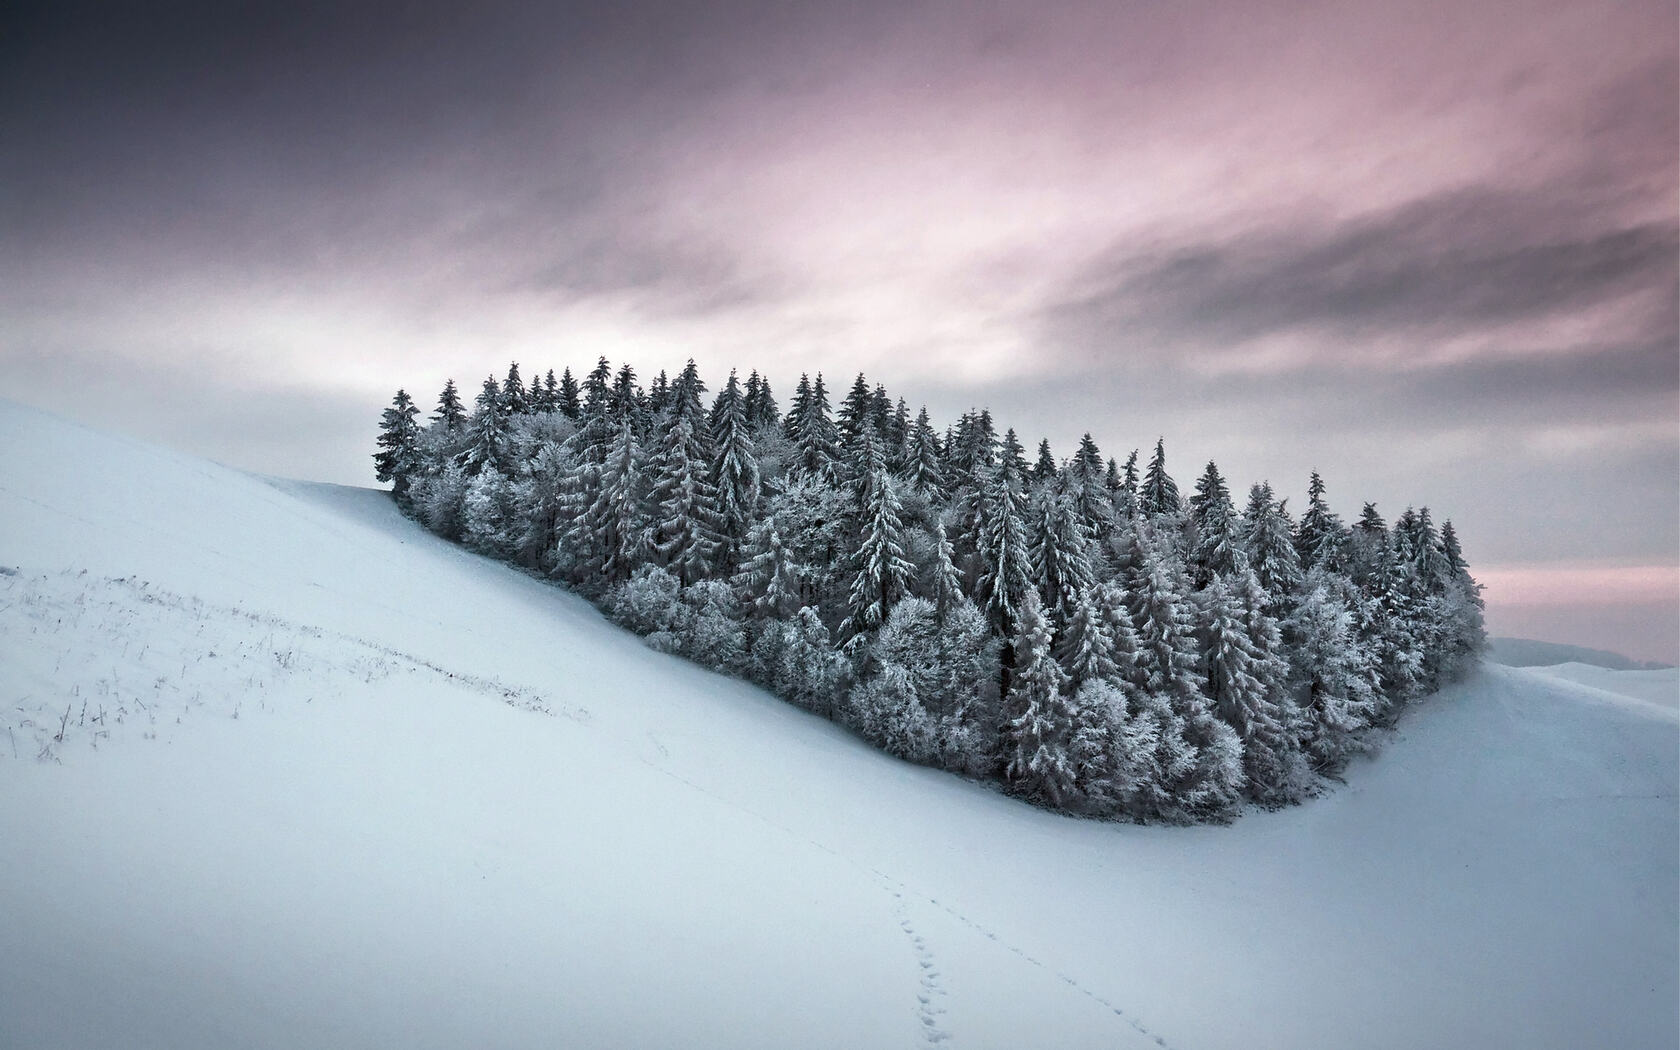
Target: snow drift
x: 280, y: 769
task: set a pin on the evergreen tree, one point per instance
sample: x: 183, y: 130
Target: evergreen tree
x: 881, y: 573
x: 398, y: 458
x: 1334, y: 679
x: 1003, y: 553
x: 1086, y: 647
x: 551, y: 392
x: 1159, y: 494
x: 854, y: 419
x: 1060, y: 556
x: 1319, y: 535
x: 1217, y: 549
x: 487, y: 446
x: 1268, y: 542
x: 628, y: 402
x: 769, y: 576
x: 1245, y: 679
x: 567, y: 402
x: 1128, y: 499
x: 922, y: 467
x: 735, y: 471
x: 685, y: 536
x: 945, y: 588
x: 449, y: 411
x: 1044, y: 468
x: 760, y: 402
x: 1039, y: 731
x: 611, y: 532
x: 515, y: 401
x: 1013, y: 457
x: 814, y: 435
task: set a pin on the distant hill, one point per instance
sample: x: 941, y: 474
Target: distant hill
x: 1527, y: 652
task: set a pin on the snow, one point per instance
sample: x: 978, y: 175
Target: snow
x: 340, y: 783
x: 1658, y: 687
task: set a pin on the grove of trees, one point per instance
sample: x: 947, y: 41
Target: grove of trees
x: 1080, y: 631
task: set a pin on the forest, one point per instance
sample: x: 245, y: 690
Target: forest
x: 1078, y: 630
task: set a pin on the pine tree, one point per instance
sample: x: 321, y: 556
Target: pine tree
x: 1086, y: 647
x: 628, y: 402
x: 922, y: 467
x: 1060, y: 556
x: 854, y: 418
x: 1001, y: 547
x: 685, y: 534
x: 1159, y: 494
x: 1244, y: 678
x: 945, y: 588
x: 1269, y: 544
x: 881, y: 573
x: 814, y: 435
x: 398, y: 458
x: 567, y: 402
x: 611, y: 531
x: 760, y: 402
x: 487, y: 446
x: 449, y: 411
x: 1319, y: 536
x: 1044, y: 468
x: 1334, y: 679
x: 515, y: 402
x: 1039, y: 730
x: 734, y: 472
x: 1013, y: 457
x: 1128, y: 501
x: 551, y: 392
x: 769, y: 576
x: 1218, y: 548
x: 1170, y: 659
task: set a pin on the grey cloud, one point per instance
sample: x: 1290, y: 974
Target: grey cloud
x: 1470, y: 258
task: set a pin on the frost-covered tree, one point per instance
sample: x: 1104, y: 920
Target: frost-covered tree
x: 684, y: 534
x: 1320, y: 536
x: 734, y: 473
x: 1245, y: 679
x: 567, y: 401
x: 1335, y: 681
x: 1085, y: 649
x: 1268, y: 541
x: 1218, y: 548
x: 1159, y: 494
x: 398, y: 458
x: 881, y: 573
x: 922, y: 467
x: 1003, y: 553
x: 769, y: 577
x: 1039, y: 730
x: 1060, y: 555
x: 515, y: 400
x: 610, y: 535
x: 450, y: 414
x: 488, y: 430
x: 796, y: 659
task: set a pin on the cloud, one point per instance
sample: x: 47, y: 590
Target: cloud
x: 1475, y: 258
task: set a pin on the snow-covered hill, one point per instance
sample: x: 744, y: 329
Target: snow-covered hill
x: 280, y: 769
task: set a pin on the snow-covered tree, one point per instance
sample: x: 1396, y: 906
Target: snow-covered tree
x: 1159, y: 494
x: 450, y: 414
x: 398, y: 458
x: 734, y: 473
x: 1039, y: 730
x: 1218, y: 547
x: 1268, y: 542
x: 1335, y: 681
x: 881, y: 573
x: 1245, y: 679
x: 769, y: 577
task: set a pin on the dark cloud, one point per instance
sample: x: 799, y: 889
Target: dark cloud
x: 1466, y: 259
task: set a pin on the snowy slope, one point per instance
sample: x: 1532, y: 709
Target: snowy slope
x: 338, y: 783
x: 1661, y: 688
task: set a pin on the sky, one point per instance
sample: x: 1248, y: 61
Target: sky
x: 1428, y: 249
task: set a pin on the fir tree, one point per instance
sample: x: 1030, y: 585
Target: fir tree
x: 1269, y: 544
x: 1060, y: 556
x: 769, y: 576
x: 1040, y: 726
x: 735, y: 471
x: 487, y: 446
x: 685, y: 529
x: 1159, y: 494
x: 515, y: 401
x: 567, y: 401
x: 922, y: 467
x: 1086, y: 647
x: 945, y: 588
x: 814, y: 436
x: 398, y: 458
x: 881, y: 573
x: 1319, y: 534
x: 611, y: 531
x: 853, y: 420
x: 1005, y: 561
x: 449, y: 411
x: 1334, y: 679
x: 1244, y: 677
x: 1217, y: 548
x: 1044, y: 468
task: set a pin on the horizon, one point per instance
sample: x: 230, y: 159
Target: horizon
x: 1429, y: 252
